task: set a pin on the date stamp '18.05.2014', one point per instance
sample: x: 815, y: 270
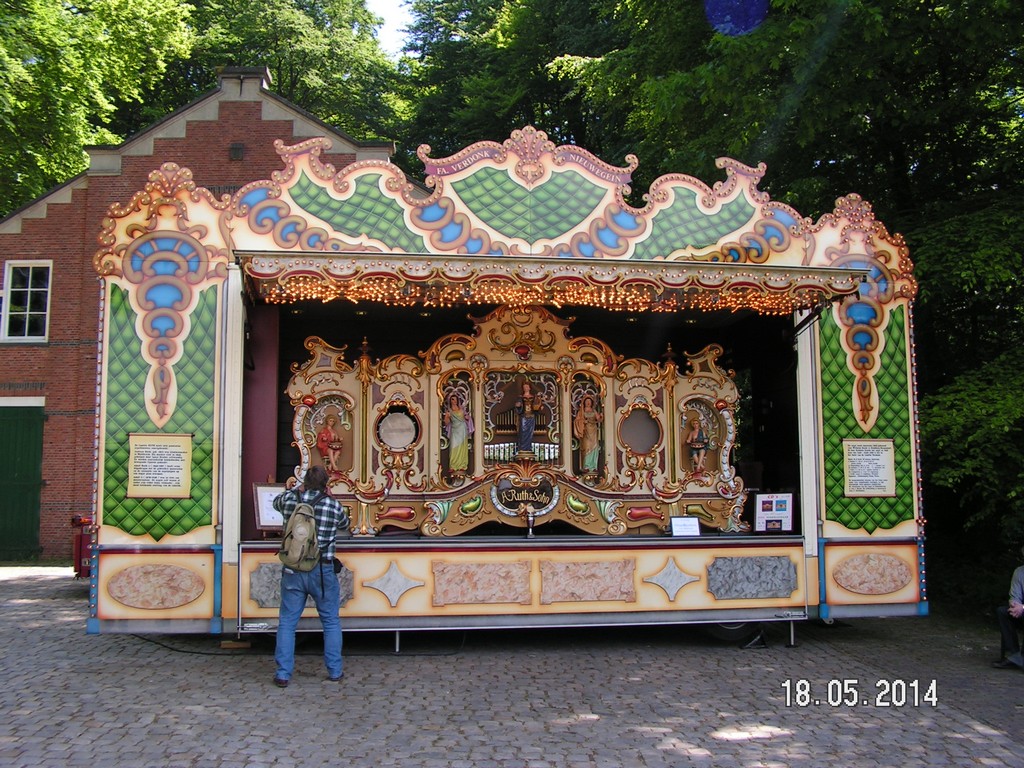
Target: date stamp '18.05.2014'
x: 850, y: 692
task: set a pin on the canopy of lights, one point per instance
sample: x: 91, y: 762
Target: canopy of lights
x: 445, y: 281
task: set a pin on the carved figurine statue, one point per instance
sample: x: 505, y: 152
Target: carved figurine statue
x: 329, y: 443
x: 458, y: 426
x: 586, y: 428
x: 526, y: 408
x: 697, y: 441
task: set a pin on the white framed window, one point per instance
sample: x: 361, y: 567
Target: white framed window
x: 26, y: 301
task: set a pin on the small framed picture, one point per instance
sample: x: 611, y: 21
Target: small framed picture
x: 267, y: 518
x: 774, y: 513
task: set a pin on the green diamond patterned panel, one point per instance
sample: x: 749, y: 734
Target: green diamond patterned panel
x: 684, y: 224
x: 893, y: 423
x: 126, y: 412
x: 366, y: 213
x: 547, y: 211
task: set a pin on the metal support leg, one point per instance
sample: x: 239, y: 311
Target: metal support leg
x: 758, y: 641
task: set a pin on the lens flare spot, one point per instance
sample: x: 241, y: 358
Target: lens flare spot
x: 735, y: 17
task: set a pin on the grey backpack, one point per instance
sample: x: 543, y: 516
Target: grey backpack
x: 300, y: 549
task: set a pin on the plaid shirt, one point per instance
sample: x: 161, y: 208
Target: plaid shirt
x: 330, y: 516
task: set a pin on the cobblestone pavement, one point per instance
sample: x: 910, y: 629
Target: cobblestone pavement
x: 651, y: 696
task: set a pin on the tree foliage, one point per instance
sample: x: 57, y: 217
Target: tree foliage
x: 918, y: 105
x: 101, y: 70
x: 63, y: 67
x: 915, y: 104
x: 975, y: 430
x: 903, y: 101
x: 322, y: 55
x: 970, y: 333
x: 970, y: 268
x: 480, y: 69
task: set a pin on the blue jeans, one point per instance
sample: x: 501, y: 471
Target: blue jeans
x: 295, y: 586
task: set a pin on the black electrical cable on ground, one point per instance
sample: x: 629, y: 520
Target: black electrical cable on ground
x: 252, y: 651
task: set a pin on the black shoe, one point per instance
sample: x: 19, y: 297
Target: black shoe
x: 280, y: 682
x: 337, y: 679
x: 1004, y: 664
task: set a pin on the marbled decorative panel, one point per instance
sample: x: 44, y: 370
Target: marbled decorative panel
x: 671, y: 578
x: 265, y: 586
x: 393, y: 584
x: 873, y: 573
x: 583, y: 582
x: 736, y: 578
x: 155, y: 586
x: 470, y: 583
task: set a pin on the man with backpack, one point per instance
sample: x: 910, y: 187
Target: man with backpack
x: 320, y: 582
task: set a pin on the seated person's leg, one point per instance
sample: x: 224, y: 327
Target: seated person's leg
x: 1009, y: 655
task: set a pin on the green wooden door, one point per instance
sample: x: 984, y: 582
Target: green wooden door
x: 21, y: 459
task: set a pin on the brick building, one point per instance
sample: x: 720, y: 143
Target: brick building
x: 51, y: 292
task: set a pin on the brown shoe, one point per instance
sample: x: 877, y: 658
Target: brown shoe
x: 280, y: 682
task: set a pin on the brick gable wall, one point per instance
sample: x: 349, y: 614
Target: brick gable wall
x: 64, y: 370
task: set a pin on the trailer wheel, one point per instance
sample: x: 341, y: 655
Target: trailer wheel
x: 732, y: 633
